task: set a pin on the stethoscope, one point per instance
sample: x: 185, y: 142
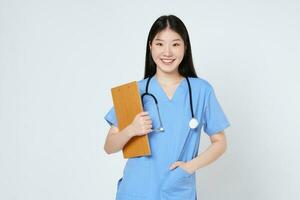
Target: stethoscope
x: 193, y: 121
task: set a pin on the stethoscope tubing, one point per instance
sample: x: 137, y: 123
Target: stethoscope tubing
x: 190, y: 94
x: 191, y: 109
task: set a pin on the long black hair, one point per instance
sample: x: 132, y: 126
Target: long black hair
x: 186, y: 67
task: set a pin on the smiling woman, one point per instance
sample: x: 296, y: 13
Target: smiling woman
x: 167, y: 50
x: 169, y: 172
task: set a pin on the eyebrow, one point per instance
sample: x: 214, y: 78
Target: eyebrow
x: 163, y: 40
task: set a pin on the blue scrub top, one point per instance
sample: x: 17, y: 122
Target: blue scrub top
x: 149, y: 177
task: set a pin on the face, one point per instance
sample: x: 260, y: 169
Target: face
x: 167, y: 50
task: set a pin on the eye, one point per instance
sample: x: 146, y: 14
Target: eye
x: 159, y: 44
x: 176, y: 44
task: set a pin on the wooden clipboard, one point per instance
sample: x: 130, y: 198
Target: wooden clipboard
x: 127, y: 103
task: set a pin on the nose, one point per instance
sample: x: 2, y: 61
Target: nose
x: 167, y: 51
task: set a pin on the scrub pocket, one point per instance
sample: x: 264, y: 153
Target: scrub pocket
x: 179, y: 184
x: 135, y: 181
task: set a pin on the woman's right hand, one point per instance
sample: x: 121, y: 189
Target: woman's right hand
x: 141, y: 124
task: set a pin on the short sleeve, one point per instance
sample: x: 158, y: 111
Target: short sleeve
x: 110, y: 117
x: 214, y: 117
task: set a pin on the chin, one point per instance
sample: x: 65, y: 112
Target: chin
x: 168, y: 69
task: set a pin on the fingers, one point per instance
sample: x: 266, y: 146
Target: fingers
x: 144, y: 113
x: 148, y: 122
x: 146, y: 117
x: 143, y: 123
x: 176, y: 164
x: 147, y: 129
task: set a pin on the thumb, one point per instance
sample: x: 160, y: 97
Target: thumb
x: 174, y: 165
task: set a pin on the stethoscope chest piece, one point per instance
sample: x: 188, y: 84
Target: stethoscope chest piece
x: 193, y: 123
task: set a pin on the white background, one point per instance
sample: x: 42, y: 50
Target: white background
x: 59, y: 59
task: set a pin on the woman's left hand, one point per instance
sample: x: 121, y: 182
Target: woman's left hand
x: 184, y: 165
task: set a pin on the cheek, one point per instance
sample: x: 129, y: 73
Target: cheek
x: 180, y: 53
x: 155, y: 55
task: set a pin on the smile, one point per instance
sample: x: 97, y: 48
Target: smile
x: 167, y: 61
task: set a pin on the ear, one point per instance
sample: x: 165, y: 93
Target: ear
x: 149, y: 45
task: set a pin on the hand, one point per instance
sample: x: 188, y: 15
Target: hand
x: 141, y: 124
x: 184, y: 165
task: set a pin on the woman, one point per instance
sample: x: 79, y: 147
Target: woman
x: 169, y: 173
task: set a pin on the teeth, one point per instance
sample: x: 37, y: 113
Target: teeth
x: 167, y: 61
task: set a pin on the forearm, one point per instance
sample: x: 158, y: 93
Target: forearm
x: 115, y: 141
x: 214, y: 151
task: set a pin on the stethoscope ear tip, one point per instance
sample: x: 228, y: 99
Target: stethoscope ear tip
x: 193, y: 123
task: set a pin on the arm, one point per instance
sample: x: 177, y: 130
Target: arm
x: 215, y: 150
x: 214, y: 119
x: 116, y: 140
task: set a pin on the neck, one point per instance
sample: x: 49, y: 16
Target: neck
x: 168, y: 78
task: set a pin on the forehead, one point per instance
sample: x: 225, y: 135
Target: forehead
x: 167, y: 35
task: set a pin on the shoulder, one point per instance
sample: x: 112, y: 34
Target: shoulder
x: 142, y: 81
x: 142, y: 84
x: 200, y: 83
